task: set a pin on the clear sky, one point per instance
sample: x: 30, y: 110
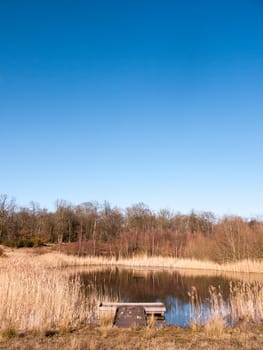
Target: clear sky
x: 154, y: 101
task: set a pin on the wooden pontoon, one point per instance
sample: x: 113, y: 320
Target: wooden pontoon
x: 130, y: 316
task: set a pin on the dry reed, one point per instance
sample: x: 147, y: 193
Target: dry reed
x: 243, y: 306
x: 35, y: 298
x: 246, y: 302
x: 58, y: 260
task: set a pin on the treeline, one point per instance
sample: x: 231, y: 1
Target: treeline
x: 99, y: 229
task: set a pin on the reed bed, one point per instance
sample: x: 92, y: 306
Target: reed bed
x: 169, y: 262
x: 246, y: 302
x: 59, y: 260
x: 35, y: 298
x: 244, y: 306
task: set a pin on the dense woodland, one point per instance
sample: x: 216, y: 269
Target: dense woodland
x: 99, y: 229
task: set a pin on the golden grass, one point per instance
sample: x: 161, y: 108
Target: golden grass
x: 58, y: 260
x: 33, y: 297
x: 166, y: 262
x: 169, y: 338
x: 243, y: 307
x: 246, y: 302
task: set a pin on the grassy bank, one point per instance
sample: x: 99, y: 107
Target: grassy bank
x: 171, y: 338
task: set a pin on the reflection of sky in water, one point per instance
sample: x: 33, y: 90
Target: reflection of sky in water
x: 177, y: 313
x: 181, y: 314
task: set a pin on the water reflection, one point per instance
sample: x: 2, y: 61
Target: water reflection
x: 169, y: 287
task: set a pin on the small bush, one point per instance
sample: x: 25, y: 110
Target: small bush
x: 20, y: 243
x: 25, y: 242
x: 9, y: 333
x: 51, y: 332
x: 37, y: 241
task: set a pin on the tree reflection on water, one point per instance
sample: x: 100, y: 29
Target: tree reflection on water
x: 169, y: 287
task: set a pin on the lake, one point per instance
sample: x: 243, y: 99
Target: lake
x: 170, y: 287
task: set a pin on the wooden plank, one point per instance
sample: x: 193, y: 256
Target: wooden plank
x: 157, y: 304
x: 150, y: 308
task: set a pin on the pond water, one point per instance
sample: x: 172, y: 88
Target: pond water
x: 170, y: 287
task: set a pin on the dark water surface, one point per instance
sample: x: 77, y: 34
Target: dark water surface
x: 170, y: 287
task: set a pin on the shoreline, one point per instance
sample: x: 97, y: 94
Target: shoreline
x: 49, y: 257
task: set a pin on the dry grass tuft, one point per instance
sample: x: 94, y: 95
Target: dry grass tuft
x: 151, y: 322
x: 195, y: 326
x: 106, y: 319
x: 215, y: 327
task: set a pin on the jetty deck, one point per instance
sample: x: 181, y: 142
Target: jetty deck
x: 150, y: 308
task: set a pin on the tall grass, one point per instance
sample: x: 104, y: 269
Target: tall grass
x: 246, y: 302
x: 56, y: 259
x: 243, y: 306
x: 35, y: 298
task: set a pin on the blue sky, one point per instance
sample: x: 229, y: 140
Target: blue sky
x: 133, y: 101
